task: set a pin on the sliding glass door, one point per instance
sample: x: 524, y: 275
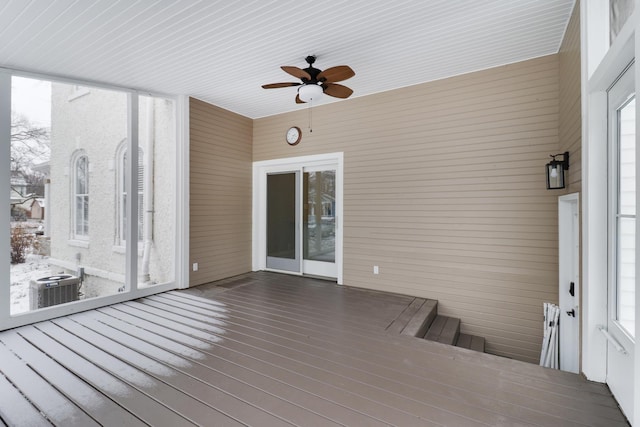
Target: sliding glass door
x: 283, y: 219
x: 622, y: 239
x: 92, y: 196
x: 298, y: 205
x: 319, y: 228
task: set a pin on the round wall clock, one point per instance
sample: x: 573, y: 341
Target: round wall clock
x: 294, y: 135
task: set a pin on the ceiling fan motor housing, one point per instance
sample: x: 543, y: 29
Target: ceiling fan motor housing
x: 313, y: 72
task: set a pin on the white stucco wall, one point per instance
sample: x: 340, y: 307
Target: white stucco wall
x: 96, y: 123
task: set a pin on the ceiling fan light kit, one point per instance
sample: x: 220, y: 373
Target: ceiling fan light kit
x: 310, y: 92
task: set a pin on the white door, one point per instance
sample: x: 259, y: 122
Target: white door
x: 620, y: 328
x: 569, y: 282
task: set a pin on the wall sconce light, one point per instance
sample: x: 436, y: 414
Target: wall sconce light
x: 555, y: 171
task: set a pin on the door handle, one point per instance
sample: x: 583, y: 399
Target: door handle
x: 611, y: 339
x: 571, y: 313
x: 572, y: 289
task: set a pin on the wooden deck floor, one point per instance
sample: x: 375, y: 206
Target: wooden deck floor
x: 270, y: 350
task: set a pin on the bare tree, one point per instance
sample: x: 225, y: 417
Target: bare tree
x: 29, y: 146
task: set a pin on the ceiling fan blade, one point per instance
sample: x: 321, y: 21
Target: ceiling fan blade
x: 336, y: 90
x: 296, y: 72
x: 279, y: 85
x: 299, y: 101
x: 336, y: 74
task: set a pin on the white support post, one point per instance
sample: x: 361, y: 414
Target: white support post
x: 595, y: 243
x: 636, y: 363
x: 5, y: 188
x: 131, y: 208
x: 182, y: 261
x: 594, y: 44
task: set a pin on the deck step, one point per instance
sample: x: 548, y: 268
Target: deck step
x: 415, y: 319
x: 401, y: 321
x: 422, y: 319
x: 472, y: 342
x: 444, y: 330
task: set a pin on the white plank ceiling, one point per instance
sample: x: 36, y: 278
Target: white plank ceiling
x: 223, y: 51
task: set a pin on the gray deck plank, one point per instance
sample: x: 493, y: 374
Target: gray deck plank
x: 98, y: 406
x: 463, y: 385
x: 174, y: 399
x: 330, y: 363
x: 190, y: 386
x: 401, y: 321
x: 471, y: 342
x: 222, y: 379
x: 522, y: 387
x: 241, y: 368
x: 464, y: 341
x: 420, y: 322
x: 15, y: 409
x: 376, y: 306
x: 360, y: 396
x: 373, y: 376
x: 450, y: 331
x: 45, y: 397
x: 267, y: 350
x: 505, y: 367
x: 436, y: 328
x: 136, y: 402
x: 477, y: 343
x: 355, y: 313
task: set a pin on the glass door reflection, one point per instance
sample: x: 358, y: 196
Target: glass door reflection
x: 283, y: 247
x: 319, y: 222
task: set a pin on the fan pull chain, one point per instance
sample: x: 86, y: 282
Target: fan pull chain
x: 310, y: 117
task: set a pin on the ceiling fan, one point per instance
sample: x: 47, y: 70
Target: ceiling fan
x: 316, y: 82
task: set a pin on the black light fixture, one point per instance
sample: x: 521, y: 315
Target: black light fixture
x: 555, y: 171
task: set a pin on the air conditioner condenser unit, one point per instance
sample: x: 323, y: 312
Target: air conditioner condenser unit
x: 53, y: 290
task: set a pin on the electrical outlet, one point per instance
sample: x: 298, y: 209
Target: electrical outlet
x: 376, y: 270
x: 195, y: 266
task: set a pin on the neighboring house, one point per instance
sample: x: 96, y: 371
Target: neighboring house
x: 18, y: 198
x: 36, y: 209
x: 87, y: 194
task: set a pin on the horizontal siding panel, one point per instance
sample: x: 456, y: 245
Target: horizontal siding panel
x: 444, y: 190
x: 409, y: 277
x: 570, y: 113
x: 411, y: 274
x: 220, y: 192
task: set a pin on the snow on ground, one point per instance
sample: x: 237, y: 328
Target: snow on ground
x: 35, y: 267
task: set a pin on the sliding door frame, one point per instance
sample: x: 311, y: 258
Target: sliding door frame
x: 133, y: 290
x: 260, y: 171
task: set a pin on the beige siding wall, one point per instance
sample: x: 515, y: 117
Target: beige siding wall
x: 220, y: 192
x: 570, y: 131
x: 445, y: 191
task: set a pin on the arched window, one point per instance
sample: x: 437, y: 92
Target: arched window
x: 81, y: 196
x: 122, y: 194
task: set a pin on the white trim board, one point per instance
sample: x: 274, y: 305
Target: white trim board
x: 601, y: 66
x: 568, y: 272
x: 599, y: 71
